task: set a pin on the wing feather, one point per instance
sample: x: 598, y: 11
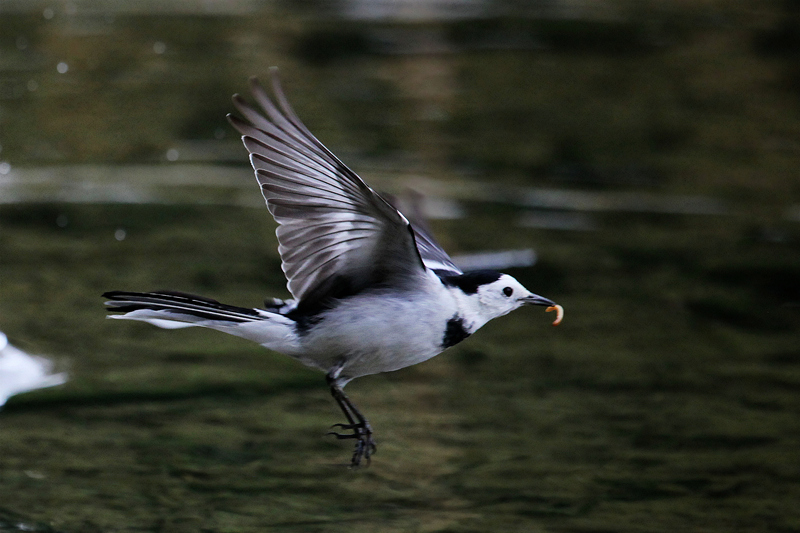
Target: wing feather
x: 333, y: 230
x: 433, y: 256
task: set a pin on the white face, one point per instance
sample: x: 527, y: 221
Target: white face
x: 504, y: 295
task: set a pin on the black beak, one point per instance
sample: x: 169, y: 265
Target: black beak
x: 535, y: 299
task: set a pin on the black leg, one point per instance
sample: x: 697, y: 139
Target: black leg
x: 361, y: 430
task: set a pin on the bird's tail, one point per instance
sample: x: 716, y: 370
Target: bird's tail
x: 172, y: 310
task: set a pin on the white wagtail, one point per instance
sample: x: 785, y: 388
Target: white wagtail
x: 371, y: 292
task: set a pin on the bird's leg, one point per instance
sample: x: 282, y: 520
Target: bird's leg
x: 357, y: 423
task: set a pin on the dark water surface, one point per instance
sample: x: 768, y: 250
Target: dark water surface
x: 648, y: 155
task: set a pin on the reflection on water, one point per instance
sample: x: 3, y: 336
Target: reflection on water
x: 21, y: 372
x: 499, y: 260
x: 613, y: 94
x: 198, y: 183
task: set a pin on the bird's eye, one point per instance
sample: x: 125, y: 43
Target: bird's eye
x: 508, y: 291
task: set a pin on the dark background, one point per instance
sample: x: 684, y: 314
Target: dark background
x: 647, y: 151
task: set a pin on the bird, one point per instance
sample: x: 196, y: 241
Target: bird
x: 371, y: 291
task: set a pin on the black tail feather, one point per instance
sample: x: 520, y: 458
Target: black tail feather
x: 179, y: 302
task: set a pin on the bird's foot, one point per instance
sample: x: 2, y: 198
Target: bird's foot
x: 365, y: 445
x: 361, y: 430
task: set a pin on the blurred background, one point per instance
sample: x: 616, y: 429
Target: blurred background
x: 639, y: 157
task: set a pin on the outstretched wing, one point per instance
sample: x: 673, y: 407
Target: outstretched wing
x: 433, y: 255
x: 336, y: 235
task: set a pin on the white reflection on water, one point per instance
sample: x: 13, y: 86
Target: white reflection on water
x: 496, y: 260
x: 216, y: 184
x: 21, y: 372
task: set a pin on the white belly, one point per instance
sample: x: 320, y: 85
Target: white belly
x: 378, y: 333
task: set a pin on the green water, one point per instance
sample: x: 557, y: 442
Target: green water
x: 668, y: 400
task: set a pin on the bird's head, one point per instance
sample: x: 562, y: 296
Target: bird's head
x: 505, y: 294
x: 491, y: 294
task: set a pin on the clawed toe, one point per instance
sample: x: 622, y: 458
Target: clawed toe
x: 365, y: 445
x: 343, y: 435
x: 365, y: 448
x: 357, y: 431
x: 344, y: 426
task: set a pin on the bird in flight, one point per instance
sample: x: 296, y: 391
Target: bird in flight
x: 370, y: 291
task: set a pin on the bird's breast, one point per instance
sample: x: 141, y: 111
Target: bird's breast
x: 382, y: 332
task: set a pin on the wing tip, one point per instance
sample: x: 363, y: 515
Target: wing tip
x: 255, y: 86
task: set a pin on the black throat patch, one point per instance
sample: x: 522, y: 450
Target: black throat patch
x: 454, y: 332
